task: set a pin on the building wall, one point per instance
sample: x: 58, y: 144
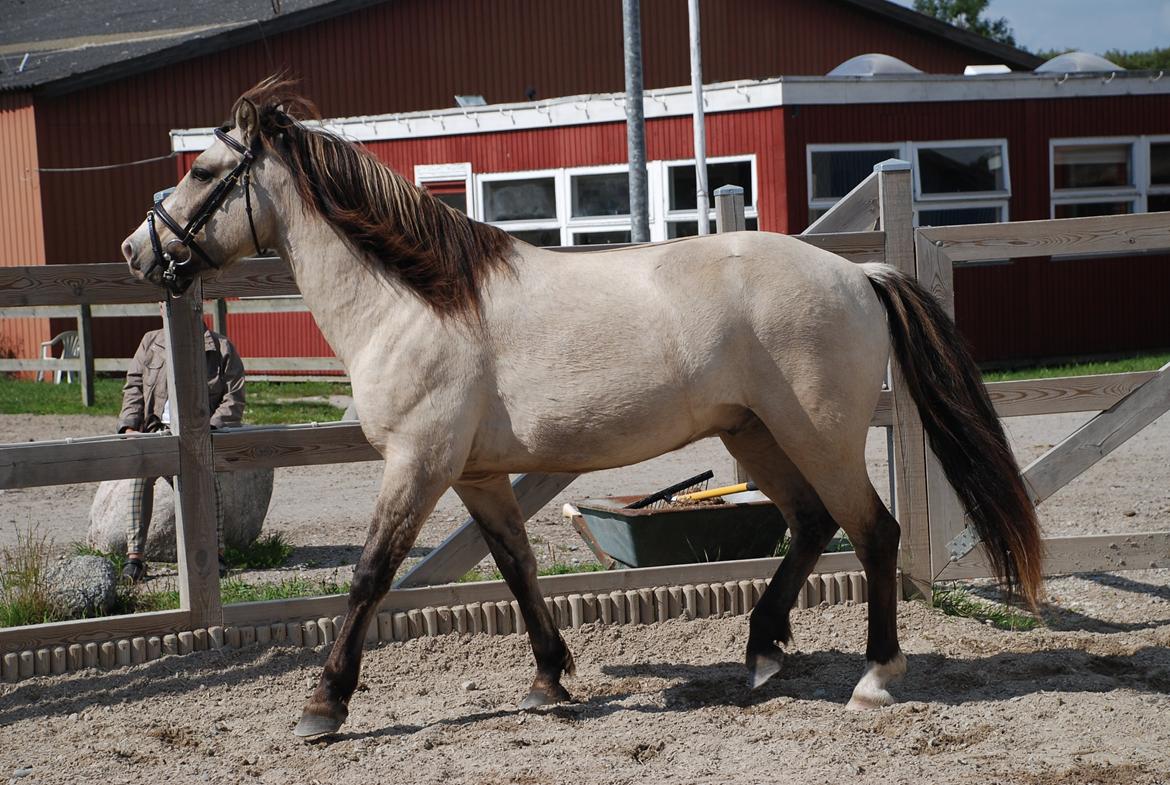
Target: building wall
x: 1029, y: 308
x: 20, y: 215
x: 417, y: 54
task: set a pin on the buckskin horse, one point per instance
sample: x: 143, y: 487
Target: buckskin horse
x: 467, y: 366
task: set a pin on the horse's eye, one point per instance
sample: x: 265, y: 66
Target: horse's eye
x: 202, y: 175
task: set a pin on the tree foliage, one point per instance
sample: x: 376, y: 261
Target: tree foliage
x: 968, y: 15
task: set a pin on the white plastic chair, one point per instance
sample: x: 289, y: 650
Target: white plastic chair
x: 70, y: 350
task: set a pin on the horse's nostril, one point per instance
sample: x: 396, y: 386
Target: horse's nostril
x: 128, y: 253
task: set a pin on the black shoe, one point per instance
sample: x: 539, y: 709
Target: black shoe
x: 134, y: 571
x: 223, y: 568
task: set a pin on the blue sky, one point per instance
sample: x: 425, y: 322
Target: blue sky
x: 1091, y: 25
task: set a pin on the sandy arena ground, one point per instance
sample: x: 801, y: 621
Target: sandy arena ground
x: 1084, y: 700
x: 664, y: 703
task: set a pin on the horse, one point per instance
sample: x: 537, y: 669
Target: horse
x: 467, y: 366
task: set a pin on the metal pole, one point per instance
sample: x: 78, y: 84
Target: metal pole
x: 635, y: 122
x: 700, y: 131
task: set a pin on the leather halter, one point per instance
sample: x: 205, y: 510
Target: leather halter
x: 178, y: 274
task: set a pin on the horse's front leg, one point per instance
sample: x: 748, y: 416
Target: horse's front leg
x: 410, y: 489
x: 493, y: 505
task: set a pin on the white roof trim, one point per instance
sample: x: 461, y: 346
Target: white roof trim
x: 722, y: 97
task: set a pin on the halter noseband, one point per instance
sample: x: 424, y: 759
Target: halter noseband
x: 179, y: 274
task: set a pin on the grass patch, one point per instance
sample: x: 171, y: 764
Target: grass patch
x: 1140, y: 362
x: 957, y: 601
x: 234, y: 590
x: 269, y: 403
x: 24, y: 596
x: 269, y: 551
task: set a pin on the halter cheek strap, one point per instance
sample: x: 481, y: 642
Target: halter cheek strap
x: 179, y: 274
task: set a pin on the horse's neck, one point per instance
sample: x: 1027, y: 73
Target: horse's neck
x: 351, y: 304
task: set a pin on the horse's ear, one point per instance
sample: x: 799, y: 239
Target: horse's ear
x: 247, y: 119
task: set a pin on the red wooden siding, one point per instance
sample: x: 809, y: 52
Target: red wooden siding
x: 20, y: 215
x: 1031, y: 308
x: 417, y: 54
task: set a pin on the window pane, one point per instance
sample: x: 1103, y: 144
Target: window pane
x: 957, y: 170
x: 539, y: 237
x: 682, y: 183
x: 601, y: 194
x: 601, y: 238
x: 1160, y: 163
x: 458, y: 201
x: 751, y: 224
x: 958, y: 216
x: 519, y: 200
x: 1092, y: 166
x: 682, y: 229
x: 837, y: 172
x: 1158, y: 203
x: 1087, y: 209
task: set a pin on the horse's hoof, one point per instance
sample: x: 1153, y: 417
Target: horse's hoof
x: 542, y: 696
x: 312, y: 725
x: 763, y: 666
x: 869, y: 699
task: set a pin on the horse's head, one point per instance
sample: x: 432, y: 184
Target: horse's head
x: 218, y: 213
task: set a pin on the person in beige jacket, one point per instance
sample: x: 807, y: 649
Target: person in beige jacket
x: 146, y: 409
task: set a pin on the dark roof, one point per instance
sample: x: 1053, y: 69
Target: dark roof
x: 67, y: 45
x: 72, y: 44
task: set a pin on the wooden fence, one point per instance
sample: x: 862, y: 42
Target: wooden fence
x: 928, y: 516
x: 86, y: 365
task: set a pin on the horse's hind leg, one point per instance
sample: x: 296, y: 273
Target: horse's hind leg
x: 836, y: 469
x: 810, y: 529
x: 492, y: 503
x: 409, y: 493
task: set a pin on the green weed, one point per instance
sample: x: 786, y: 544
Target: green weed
x: 269, y: 551
x: 957, y: 601
x: 24, y: 596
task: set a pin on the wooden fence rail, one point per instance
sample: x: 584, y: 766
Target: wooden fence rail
x: 928, y: 516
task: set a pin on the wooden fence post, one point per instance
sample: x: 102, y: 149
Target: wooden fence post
x: 85, y: 337
x: 219, y: 316
x: 910, y: 499
x: 729, y: 218
x: 729, y: 209
x: 195, y: 508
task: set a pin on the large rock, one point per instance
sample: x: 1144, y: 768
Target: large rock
x: 245, y: 499
x: 82, y: 585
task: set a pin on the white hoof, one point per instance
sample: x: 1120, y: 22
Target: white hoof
x: 871, y: 692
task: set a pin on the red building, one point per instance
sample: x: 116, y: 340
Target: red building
x: 1011, y: 146
x: 1068, y: 140
x: 101, y: 83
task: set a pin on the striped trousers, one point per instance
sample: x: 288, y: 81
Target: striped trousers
x: 142, y: 507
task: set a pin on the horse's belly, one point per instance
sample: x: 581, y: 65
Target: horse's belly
x: 600, y: 431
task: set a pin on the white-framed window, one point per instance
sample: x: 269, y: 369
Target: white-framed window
x: 1109, y: 175
x: 956, y: 181
x: 591, y: 205
x: 528, y: 205
x: 680, y: 192
x: 835, y: 170
x: 450, y: 183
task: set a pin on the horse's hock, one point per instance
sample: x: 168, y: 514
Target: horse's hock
x: 245, y: 498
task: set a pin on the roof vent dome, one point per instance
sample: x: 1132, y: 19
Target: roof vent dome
x: 873, y: 64
x: 1077, y: 62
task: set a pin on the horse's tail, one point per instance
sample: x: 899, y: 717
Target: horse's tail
x: 962, y: 427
